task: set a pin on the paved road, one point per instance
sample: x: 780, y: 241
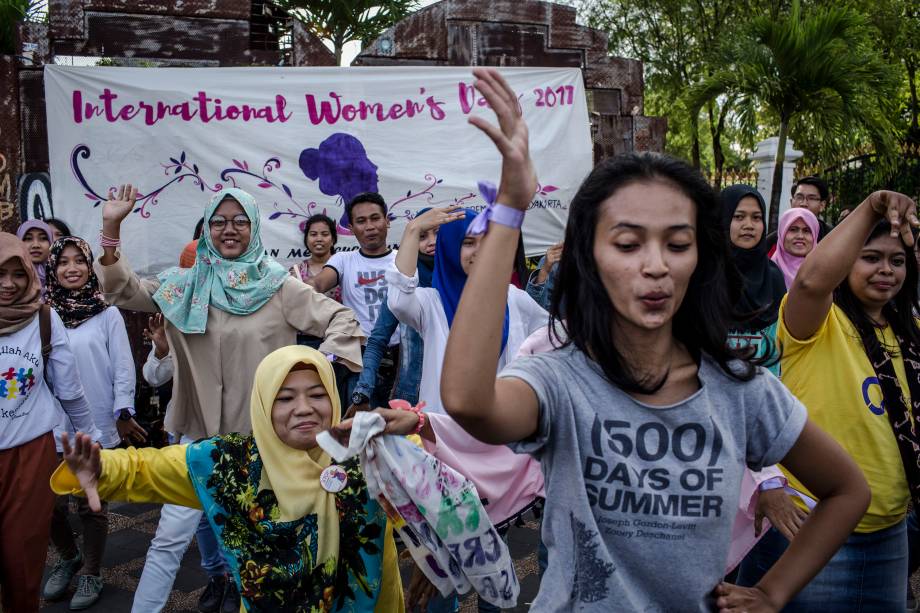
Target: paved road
x: 131, y: 526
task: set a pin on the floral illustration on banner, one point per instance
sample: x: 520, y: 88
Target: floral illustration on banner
x: 340, y: 166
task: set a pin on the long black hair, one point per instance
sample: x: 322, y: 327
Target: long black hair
x: 900, y: 312
x: 704, y: 317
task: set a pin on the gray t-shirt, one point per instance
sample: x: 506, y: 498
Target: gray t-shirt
x: 641, y: 499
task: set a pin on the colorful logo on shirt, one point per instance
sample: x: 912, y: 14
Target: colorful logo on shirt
x: 867, y: 385
x: 16, y: 382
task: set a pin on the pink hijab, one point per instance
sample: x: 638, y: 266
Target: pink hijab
x: 787, y: 262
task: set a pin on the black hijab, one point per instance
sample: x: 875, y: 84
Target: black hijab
x: 764, y: 286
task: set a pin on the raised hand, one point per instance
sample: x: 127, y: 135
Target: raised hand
x: 436, y: 217
x: 553, y: 254
x: 84, y: 462
x: 156, y: 334
x: 118, y: 206
x: 519, y: 180
x: 899, y: 210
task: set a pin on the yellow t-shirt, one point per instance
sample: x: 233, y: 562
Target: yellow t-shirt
x: 832, y: 376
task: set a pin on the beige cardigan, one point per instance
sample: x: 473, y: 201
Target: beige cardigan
x: 214, y: 371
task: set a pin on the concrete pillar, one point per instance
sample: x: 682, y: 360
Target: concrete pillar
x: 764, y: 159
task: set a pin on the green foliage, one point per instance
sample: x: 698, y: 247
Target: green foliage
x: 14, y: 11
x: 342, y: 21
x: 684, y: 43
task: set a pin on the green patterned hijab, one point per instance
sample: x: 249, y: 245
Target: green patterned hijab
x: 240, y: 286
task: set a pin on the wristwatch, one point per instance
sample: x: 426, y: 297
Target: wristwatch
x: 359, y: 398
x: 124, y: 415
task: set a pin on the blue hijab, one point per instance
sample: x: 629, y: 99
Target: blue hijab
x: 449, y: 277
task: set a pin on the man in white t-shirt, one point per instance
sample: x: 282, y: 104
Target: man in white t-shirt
x: 361, y: 273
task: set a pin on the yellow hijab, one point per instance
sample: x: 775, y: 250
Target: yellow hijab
x: 292, y: 474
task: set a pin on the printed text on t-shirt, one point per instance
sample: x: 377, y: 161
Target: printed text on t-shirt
x: 621, y: 475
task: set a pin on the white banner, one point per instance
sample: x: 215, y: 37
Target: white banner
x: 302, y: 141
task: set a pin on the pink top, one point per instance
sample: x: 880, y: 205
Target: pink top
x: 787, y: 262
x: 302, y: 271
x: 507, y: 482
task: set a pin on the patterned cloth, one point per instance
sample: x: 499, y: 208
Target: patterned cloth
x: 436, y: 510
x: 277, y: 562
x: 75, y: 306
x: 240, y: 286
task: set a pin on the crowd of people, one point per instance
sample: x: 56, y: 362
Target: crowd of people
x: 708, y: 417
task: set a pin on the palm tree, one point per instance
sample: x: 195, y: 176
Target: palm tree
x: 342, y: 21
x: 820, y: 68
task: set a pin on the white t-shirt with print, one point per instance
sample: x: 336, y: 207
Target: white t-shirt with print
x: 364, y: 285
x: 27, y: 407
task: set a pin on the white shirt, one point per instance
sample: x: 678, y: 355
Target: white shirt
x: 27, y: 406
x: 420, y: 308
x: 106, y: 365
x: 157, y: 371
x: 364, y: 285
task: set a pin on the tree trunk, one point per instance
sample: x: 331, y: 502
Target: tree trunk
x: 914, y: 107
x: 718, y: 157
x: 695, y: 149
x: 337, y: 50
x: 775, y: 194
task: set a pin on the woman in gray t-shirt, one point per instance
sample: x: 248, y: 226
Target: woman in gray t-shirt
x: 645, y: 419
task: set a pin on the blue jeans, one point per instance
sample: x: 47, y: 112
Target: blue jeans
x: 867, y: 575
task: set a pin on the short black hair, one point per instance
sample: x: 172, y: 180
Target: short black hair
x: 62, y: 227
x: 365, y: 197
x: 818, y: 182
x: 199, y: 229
x: 320, y: 218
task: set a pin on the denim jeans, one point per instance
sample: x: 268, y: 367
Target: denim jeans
x: 867, y: 575
x: 374, y: 384
x: 174, y: 534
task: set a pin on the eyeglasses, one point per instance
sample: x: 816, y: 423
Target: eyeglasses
x: 240, y: 222
x: 808, y: 198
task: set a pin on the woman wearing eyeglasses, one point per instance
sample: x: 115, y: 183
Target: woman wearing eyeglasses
x: 231, y: 309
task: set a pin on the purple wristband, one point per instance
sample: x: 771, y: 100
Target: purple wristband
x: 773, y: 483
x: 498, y: 213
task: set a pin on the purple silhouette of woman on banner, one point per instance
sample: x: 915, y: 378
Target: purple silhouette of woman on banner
x: 342, y: 167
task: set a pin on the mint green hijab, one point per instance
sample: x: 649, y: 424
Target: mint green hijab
x: 240, y: 286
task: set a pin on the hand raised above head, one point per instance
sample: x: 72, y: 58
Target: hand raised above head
x: 519, y: 180
x: 119, y: 205
x: 899, y: 210
x: 436, y: 217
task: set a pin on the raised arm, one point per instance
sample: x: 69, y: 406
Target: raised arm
x: 314, y: 313
x: 504, y: 410
x: 407, y: 257
x: 119, y: 283
x: 812, y: 292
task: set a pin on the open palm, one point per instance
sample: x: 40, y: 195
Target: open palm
x: 119, y: 205
x: 84, y: 462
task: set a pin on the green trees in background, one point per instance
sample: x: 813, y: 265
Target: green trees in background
x: 343, y: 21
x: 837, y: 76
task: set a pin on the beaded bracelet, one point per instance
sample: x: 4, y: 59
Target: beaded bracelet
x: 105, y: 241
x: 403, y: 405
